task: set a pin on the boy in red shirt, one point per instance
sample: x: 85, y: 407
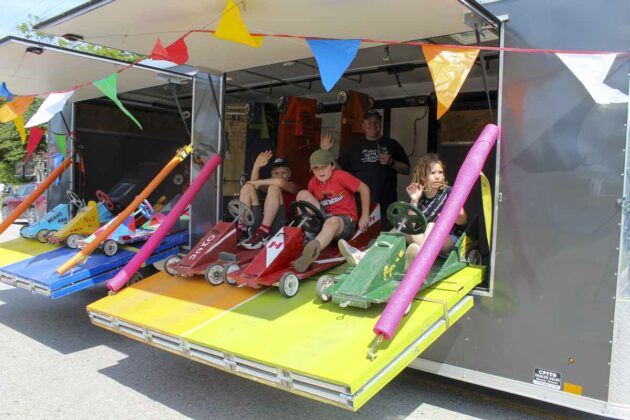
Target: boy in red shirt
x: 332, y: 190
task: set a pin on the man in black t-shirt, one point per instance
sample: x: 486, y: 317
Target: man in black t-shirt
x: 375, y: 160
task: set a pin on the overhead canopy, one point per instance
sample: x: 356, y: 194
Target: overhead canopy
x: 59, y: 69
x: 134, y: 25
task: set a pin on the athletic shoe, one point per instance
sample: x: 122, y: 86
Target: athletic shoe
x: 310, y: 254
x: 410, y: 254
x: 351, y: 254
x: 257, y: 240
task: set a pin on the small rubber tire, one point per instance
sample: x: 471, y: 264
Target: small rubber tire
x: 172, y: 260
x: 72, y: 241
x: 323, y: 283
x: 42, y: 236
x: 110, y: 247
x: 289, y: 285
x: 214, y: 274
x: 475, y: 257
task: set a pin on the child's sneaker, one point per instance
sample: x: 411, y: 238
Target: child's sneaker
x: 257, y: 240
x: 310, y: 254
x: 351, y: 254
x: 410, y: 254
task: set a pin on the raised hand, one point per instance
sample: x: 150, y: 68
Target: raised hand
x: 263, y: 158
x: 326, y: 141
x: 414, y: 190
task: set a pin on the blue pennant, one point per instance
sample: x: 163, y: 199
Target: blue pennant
x: 4, y: 91
x: 333, y: 58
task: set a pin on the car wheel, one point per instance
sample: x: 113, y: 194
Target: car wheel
x: 323, y: 283
x: 289, y: 285
x: 73, y: 241
x: 214, y: 274
x: 475, y: 257
x: 110, y: 247
x: 42, y: 236
x: 22, y: 232
x: 171, y: 262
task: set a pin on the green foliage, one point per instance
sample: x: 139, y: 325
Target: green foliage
x: 12, y: 151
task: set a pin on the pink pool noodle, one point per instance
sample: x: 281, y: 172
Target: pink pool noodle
x: 121, y: 278
x: 421, y: 265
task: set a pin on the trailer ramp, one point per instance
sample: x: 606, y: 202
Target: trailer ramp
x: 301, y: 345
x: 37, y: 274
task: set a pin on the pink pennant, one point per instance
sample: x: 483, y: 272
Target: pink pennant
x: 34, y: 137
x: 176, y: 53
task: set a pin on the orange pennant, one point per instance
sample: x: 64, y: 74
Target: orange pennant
x: 232, y: 28
x: 15, y: 108
x: 449, y: 69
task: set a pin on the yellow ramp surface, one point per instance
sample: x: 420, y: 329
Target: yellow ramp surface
x: 300, y: 344
x: 20, y: 249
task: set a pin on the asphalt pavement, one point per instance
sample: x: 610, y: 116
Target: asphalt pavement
x: 54, y: 364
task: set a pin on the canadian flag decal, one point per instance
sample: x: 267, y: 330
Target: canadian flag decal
x: 274, y: 247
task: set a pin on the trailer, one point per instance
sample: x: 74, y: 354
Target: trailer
x: 551, y: 312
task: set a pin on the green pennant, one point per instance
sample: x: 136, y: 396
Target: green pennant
x: 60, y: 139
x: 108, y: 87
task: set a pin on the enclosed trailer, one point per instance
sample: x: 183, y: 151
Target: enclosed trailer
x: 551, y: 320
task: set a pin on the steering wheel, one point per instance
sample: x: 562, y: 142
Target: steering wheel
x: 75, y: 200
x: 146, y: 210
x: 239, y: 210
x: 104, y: 198
x: 312, y: 217
x: 408, y: 218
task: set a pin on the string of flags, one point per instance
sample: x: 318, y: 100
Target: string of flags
x: 449, y: 66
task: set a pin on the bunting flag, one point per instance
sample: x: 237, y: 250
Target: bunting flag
x: 449, y: 69
x: 108, y: 87
x: 60, y: 139
x: 176, y: 53
x: 53, y: 104
x: 12, y: 110
x: 232, y: 28
x: 58, y: 159
x: 34, y: 137
x: 19, y: 126
x: 591, y: 70
x: 333, y: 58
x: 4, y: 91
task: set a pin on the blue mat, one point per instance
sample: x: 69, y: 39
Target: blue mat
x: 39, y: 275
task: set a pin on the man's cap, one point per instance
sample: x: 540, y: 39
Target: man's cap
x: 321, y: 157
x: 277, y: 162
x: 372, y: 113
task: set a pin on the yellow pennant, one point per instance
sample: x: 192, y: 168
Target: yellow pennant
x: 449, y: 69
x: 19, y: 126
x: 232, y: 28
x: 15, y: 108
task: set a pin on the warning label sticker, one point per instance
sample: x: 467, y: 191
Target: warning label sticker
x: 547, y: 378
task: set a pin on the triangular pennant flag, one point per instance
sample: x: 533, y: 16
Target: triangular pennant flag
x: 108, y: 87
x: 176, y: 53
x: 60, y: 139
x: 333, y: 58
x: 11, y: 110
x: 591, y: 70
x: 53, y: 104
x: 19, y: 126
x: 34, y: 138
x: 57, y: 160
x: 449, y: 68
x: 4, y: 91
x: 232, y: 28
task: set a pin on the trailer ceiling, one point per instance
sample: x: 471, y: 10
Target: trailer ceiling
x: 58, y: 69
x: 134, y: 25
